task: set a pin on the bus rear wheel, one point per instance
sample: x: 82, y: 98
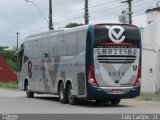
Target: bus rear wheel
x: 62, y: 93
x: 71, y: 99
x: 115, y: 101
x: 28, y: 92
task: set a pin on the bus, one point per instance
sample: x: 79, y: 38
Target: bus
x: 100, y: 62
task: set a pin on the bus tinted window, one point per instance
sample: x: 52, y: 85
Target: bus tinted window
x: 131, y: 34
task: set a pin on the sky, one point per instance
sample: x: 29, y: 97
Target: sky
x: 21, y: 16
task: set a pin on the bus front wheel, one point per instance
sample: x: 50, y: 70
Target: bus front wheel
x: 28, y: 92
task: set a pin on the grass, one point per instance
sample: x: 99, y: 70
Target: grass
x: 10, y: 85
x: 155, y: 97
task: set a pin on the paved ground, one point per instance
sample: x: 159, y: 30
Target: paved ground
x: 16, y: 102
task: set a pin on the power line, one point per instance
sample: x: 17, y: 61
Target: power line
x: 37, y: 9
x: 139, y: 14
x: 94, y: 6
x: 96, y: 12
x: 92, y: 13
x: 104, y: 10
x: 103, y: 4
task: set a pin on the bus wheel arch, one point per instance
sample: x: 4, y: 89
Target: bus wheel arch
x: 67, y: 84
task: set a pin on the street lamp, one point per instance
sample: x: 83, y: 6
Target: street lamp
x: 37, y: 9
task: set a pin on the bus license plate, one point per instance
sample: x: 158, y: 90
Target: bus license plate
x: 116, y: 91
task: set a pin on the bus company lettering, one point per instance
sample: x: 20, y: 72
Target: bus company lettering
x: 107, y: 51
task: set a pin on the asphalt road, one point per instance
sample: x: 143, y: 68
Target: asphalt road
x: 15, y: 102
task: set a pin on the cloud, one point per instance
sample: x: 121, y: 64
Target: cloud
x: 21, y: 16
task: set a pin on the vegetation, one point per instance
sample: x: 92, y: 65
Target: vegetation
x: 8, y: 56
x: 70, y: 25
x: 155, y: 97
x: 11, y: 85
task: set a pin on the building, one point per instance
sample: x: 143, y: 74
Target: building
x: 151, y: 52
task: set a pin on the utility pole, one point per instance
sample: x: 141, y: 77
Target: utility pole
x: 17, y: 39
x: 86, y: 15
x: 130, y: 10
x: 50, y: 16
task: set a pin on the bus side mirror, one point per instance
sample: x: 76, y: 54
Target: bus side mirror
x: 14, y: 59
x: 15, y: 56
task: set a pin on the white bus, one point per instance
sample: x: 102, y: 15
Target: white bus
x: 99, y: 62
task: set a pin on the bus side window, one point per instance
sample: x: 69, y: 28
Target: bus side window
x: 44, y: 48
x: 28, y: 50
x: 81, y: 41
x: 72, y: 44
x: 35, y: 48
x: 62, y: 46
x: 53, y: 46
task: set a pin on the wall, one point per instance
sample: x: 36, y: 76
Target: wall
x: 151, y: 53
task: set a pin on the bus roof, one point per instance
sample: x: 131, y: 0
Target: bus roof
x: 67, y: 30
x: 54, y: 32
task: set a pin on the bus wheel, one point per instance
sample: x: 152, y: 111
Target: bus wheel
x: 28, y: 92
x: 115, y: 101
x: 62, y: 93
x: 72, y: 100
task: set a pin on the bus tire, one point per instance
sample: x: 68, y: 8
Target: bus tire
x: 62, y: 93
x: 29, y: 94
x: 71, y: 99
x: 115, y: 101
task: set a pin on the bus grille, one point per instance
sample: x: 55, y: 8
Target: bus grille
x: 116, y: 59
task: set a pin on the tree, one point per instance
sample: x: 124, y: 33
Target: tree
x: 2, y: 48
x: 8, y: 56
x: 70, y: 25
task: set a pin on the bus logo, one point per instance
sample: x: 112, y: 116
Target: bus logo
x: 134, y: 67
x: 30, y: 69
x: 115, y: 36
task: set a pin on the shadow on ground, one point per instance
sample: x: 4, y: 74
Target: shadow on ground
x: 81, y: 103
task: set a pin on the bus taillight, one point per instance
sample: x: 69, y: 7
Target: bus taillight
x: 138, y: 80
x: 92, y: 79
